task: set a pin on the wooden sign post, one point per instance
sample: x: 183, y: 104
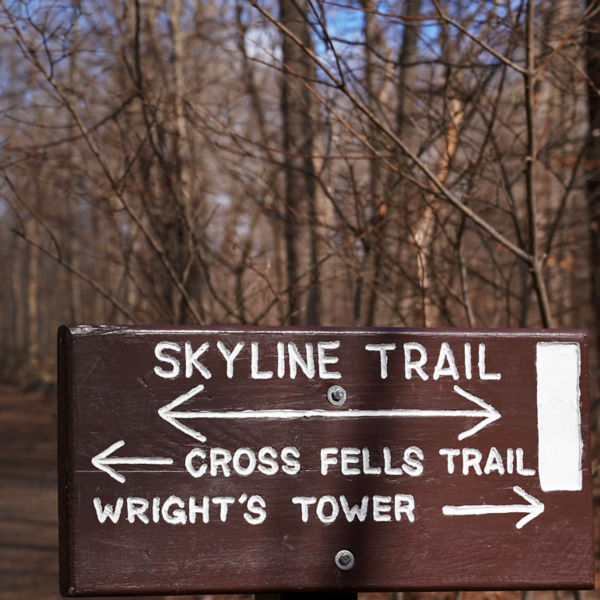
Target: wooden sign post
x: 257, y: 460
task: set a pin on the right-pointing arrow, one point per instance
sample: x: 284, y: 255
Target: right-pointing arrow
x: 532, y: 509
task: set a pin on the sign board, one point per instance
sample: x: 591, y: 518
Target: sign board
x: 245, y: 459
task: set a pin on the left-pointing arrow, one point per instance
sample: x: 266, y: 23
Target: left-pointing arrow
x: 103, y: 461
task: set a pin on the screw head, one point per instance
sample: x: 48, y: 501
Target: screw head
x: 336, y: 395
x: 344, y: 560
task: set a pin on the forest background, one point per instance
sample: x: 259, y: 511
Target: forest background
x: 299, y: 162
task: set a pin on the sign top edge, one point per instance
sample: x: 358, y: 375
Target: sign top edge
x: 109, y: 329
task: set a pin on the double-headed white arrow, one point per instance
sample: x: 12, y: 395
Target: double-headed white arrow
x: 487, y: 413
x: 103, y: 462
x: 532, y: 509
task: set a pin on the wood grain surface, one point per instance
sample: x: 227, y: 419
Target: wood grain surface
x: 162, y: 493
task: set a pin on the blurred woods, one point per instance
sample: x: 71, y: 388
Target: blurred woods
x: 303, y: 162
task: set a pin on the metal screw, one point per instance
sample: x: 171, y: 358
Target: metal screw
x: 336, y: 395
x: 344, y: 560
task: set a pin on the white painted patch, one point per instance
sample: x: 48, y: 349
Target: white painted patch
x: 558, y: 367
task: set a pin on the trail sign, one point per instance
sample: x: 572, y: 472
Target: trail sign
x: 244, y: 459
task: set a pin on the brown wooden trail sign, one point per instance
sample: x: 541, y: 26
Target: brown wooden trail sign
x: 245, y: 459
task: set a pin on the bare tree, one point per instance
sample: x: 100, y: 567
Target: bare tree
x: 296, y: 162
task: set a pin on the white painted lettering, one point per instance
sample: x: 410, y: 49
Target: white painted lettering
x: 450, y: 453
x: 267, y: 463
x: 108, y: 511
x: 413, y: 466
x: 256, y: 510
x: 176, y: 516
x: 244, y: 455
x: 192, y: 469
x: 324, y: 360
x: 404, y: 504
x: 355, y: 511
x: 229, y: 356
x: 307, y: 366
x: 137, y: 507
x: 330, y: 515
x: 382, y: 507
x: 255, y: 372
x: 471, y: 458
x: 349, y: 457
x: 494, y: 462
x: 366, y: 460
x: 220, y: 459
x: 280, y: 360
x: 290, y: 456
x: 327, y: 508
x: 387, y: 463
x: 510, y: 461
x: 521, y: 469
x: 446, y: 357
x: 468, y: 362
x: 482, y: 373
x: 160, y: 353
x: 304, y: 502
x: 328, y: 458
x: 383, y: 349
x: 224, y: 502
x: 191, y: 360
x: 155, y: 510
x: 195, y: 509
x: 417, y: 365
x: 175, y: 510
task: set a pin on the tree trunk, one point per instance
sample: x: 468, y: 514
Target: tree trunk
x: 374, y: 224
x: 407, y: 60
x: 298, y: 140
x: 33, y: 316
x: 17, y: 348
x: 190, y: 252
x: 593, y: 172
x: 405, y: 120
